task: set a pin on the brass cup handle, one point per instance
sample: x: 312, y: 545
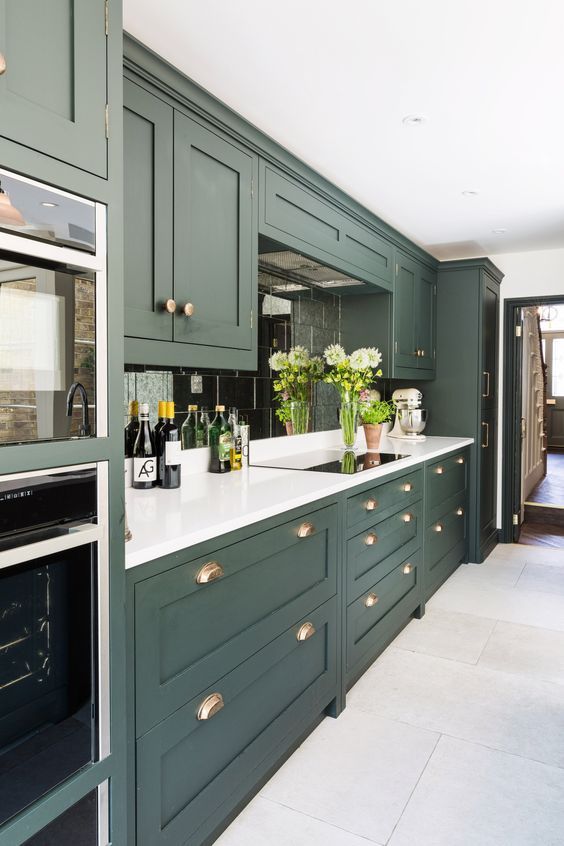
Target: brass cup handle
x: 211, y: 571
x: 487, y: 375
x: 407, y: 568
x: 188, y: 310
x: 371, y: 539
x: 439, y: 471
x: 371, y: 600
x: 305, y: 530
x: 438, y: 527
x: 407, y: 518
x: 305, y: 631
x: 210, y: 706
x: 460, y: 459
x: 407, y: 487
x: 371, y: 504
x: 487, y: 427
x: 170, y: 306
x: 460, y: 511
x: 3, y: 65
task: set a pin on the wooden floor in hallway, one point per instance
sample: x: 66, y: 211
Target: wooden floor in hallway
x: 454, y: 737
x: 550, y: 489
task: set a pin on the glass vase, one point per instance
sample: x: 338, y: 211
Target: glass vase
x: 348, y: 418
x: 299, y: 414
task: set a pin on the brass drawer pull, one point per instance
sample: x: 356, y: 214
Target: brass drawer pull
x: 371, y: 539
x: 439, y: 471
x: 371, y: 600
x: 2, y: 64
x: 170, y: 306
x: 460, y: 459
x: 407, y: 518
x: 210, y: 706
x: 371, y: 504
x: 408, y: 487
x: 438, y: 527
x: 487, y: 428
x: 407, y: 568
x: 188, y: 310
x: 487, y: 375
x: 209, y: 573
x: 459, y: 511
x: 305, y: 530
x: 305, y: 632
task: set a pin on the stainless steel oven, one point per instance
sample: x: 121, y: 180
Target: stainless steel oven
x: 52, y: 313
x: 54, y: 665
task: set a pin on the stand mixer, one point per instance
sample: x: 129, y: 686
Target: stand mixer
x: 410, y: 417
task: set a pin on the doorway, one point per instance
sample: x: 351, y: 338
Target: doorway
x: 533, y: 453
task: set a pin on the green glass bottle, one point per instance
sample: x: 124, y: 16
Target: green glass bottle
x: 188, y: 431
x: 220, y: 438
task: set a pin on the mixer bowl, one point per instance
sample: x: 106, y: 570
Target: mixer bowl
x: 412, y: 420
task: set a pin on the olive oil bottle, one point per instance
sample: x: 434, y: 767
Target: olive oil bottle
x: 220, y: 437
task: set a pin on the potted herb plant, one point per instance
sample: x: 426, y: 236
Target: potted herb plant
x: 297, y: 372
x: 351, y: 375
x: 374, y: 412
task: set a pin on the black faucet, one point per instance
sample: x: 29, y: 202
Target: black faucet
x: 84, y: 428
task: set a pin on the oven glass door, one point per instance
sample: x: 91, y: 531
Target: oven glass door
x: 47, y: 342
x: 48, y: 674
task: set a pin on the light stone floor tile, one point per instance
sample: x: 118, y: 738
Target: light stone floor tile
x: 459, y: 637
x: 472, y: 796
x: 512, y: 713
x: 265, y: 822
x: 547, y: 578
x: 356, y: 772
x: 502, y: 571
x: 525, y: 650
x: 525, y: 552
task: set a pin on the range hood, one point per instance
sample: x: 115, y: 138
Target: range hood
x: 295, y: 272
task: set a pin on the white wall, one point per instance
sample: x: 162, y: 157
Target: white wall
x: 534, y: 274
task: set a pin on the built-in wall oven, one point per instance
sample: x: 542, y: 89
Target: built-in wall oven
x: 54, y: 664
x: 52, y: 313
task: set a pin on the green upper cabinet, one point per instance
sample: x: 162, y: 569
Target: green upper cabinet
x: 300, y: 218
x: 53, y: 88
x: 414, y: 319
x: 191, y: 243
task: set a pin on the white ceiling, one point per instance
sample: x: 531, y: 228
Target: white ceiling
x: 331, y: 81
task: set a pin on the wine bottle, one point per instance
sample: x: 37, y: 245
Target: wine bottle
x: 204, y: 428
x: 161, y: 420
x: 188, y: 431
x: 144, y: 457
x: 130, y: 434
x: 169, y: 451
x: 219, y: 435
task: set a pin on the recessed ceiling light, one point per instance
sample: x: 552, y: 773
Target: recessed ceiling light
x: 415, y: 120
x: 50, y: 205
x: 470, y: 193
x: 499, y: 231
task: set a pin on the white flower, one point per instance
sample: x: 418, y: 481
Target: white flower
x: 374, y: 356
x: 298, y: 356
x: 278, y: 361
x: 334, y: 354
x: 359, y: 359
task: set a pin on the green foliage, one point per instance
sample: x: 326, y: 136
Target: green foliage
x: 376, y: 411
x: 354, y: 373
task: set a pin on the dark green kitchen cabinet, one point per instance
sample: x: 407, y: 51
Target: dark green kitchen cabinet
x: 462, y: 400
x: 54, y: 79
x: 414, y: 319
x: 191, y: 239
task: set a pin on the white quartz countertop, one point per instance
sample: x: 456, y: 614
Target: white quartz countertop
x: 209, y: 505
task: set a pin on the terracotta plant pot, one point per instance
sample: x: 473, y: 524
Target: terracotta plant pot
x: 289, y: 428
x: 372, y: 433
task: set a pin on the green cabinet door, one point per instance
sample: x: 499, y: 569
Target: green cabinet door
x: 487, y: 481
x: 147, y: 127
x: 425, y: 313
x: 53, y: 89
x: 215, y: 238
x: 490, y: 315
x: 405, y: 298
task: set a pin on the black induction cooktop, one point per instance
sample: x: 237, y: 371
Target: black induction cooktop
x: 348, y: 462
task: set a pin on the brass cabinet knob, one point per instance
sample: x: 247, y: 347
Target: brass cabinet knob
x: 2, y: 64
x: 188, y: 310
x: 210, y: 572
x: 460, y: 511
x: 371, y: 539
x: 422, y: 353
x: 170, y: 306
x: 439, y: 471
x: 407, y: 568
x: 210, y: 706
x: 460, y: 459
x: 371, y: 600
x: 408, y: 487
x: 305, y: 632
x: 371, y: 504
x: 305, y: 530
x: 407, y: 518
x: 438, y: 527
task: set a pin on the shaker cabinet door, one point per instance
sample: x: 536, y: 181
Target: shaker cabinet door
x: 147, y: 128
x: 215, y: 238
x: 488, y: 492
x: 490, y: 319
x: 404, y: 312
x: 425, y: 319
x: 53, y: 86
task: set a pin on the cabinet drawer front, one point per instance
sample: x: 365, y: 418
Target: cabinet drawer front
x: 380, y: 547
x: 188, y: 633
x: 371, y: 254
x: 445, y: 533
x: 366, y: 507
x: 188, y: 767
x: 367, y: 613
x: 445, y: 478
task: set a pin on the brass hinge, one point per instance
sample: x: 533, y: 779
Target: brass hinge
x: 515, y: 519
x: 251, y: 318
x: 518, y: 331
x: 397, y: 269
x: 107, y: 17
x: 435, y: 290
x: 395, y: 346
x: 434, y: 353
x: 252, y: 187
x: 107, y: 120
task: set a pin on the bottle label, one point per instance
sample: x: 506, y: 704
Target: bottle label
x: 224, y: 446
x: 172, y: 452
x: 145, y: 469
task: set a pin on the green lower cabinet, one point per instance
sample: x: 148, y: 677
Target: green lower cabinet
x: 197, y: 765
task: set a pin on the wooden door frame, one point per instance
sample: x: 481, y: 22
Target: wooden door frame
x: 512, y: 406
